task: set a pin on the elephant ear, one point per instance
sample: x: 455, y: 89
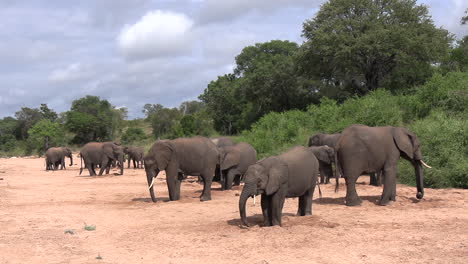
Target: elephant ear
x: 164, y: 154
x: 277, y: 176
x: 230, y: 159
x: 406, y: 141
x: 324, y: 154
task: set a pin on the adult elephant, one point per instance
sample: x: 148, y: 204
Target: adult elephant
x: 330, y: 140
x: 135, y: 154
x: 196, y: 156
x: 56, y: 156
x: 362, y: 149
x: 291, y: 174
x: 102, y: 154
x: 234, y: 161
x: 325, y: 156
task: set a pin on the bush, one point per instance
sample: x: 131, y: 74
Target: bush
x: 444, y: 141
x: 132, y: 135
x: 42, y: 129
x: 275, y: 132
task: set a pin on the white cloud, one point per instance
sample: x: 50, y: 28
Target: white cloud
x: 156, y: 34
x: 73, y: 72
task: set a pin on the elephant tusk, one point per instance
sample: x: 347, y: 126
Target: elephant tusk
x: 152, y: 181
x: 424, y: 163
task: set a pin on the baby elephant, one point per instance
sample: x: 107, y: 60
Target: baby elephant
x: 56, y: 157
x: 291, y: 174
x: 135, y: 154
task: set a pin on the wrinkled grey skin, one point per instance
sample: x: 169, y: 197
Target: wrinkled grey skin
x: 135, y: 154
x: 102, y: 154
x: 362, y: 149
x: 331, y: 140
x: 56, y: 156
x: 195, y: 156
x: 234, y: 161
x: 291, y: 174
x: 325, y: 156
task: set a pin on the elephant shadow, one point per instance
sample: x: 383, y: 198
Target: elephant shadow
x: 148, y: 200
x: 341, y: 200
x: 253, y: 220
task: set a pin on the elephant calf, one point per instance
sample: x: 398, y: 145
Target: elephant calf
x: 291, y: 174
x: 234, y: 161
x: 56, y: 157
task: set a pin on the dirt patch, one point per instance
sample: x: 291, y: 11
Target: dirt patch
x: 43, y: 215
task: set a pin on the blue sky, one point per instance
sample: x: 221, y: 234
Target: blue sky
x: 133, y: 52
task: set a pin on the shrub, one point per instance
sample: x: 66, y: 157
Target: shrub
x: 132, y: 135
x: 444, y: 141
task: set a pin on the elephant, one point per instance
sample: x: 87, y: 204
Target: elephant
x: 102, y: 154
x: 196, y: 156
x: 136, y: 155
x: 363, y: 149
x: 325, y: 156
x: 234, y: 161
x: 330, y: 140
x: 291, y: 174
x: 56, y: 157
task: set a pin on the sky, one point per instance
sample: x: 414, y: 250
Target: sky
x: 133, y: 52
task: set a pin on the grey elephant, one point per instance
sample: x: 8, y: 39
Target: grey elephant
x: 102, y: 154
x: 330, y: 140
x: 325, y: 156
x: 291, y: 174
x: 362, y: 149
x: 234, y: 161
x: 56, y: 156
x: 135, y: 154
x: 197, y: 156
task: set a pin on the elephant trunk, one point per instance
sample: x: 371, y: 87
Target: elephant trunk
x: 419, y: 179
x: 81, y: 163
x: 150, y: 175
x: 247, y: 191
x: 71, y: 160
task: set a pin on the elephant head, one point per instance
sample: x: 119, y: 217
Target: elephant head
x: 229, y: 157
x: 68, y: 153
x: 324, y: 154
x: 157, y: 159
x: 408, y: 144
x: 265, y: 177
x: 315, y: 140
x: 114, y: 152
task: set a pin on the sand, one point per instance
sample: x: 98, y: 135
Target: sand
x: 43, y: 214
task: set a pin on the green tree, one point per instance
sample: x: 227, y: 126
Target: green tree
x: 191, y: 107
x: 132, y: 135
x: 54, y: 132
x: 27, y: 118
x: 93, y: 119
x: 360, y: 45
x: 8, y: 126
x: 163, y: 121
x: 150, y: 109
x: 48, y: 113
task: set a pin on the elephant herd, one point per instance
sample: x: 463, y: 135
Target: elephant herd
x: 357, y: 150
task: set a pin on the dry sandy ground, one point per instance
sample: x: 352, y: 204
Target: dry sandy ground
x: 37, y: 207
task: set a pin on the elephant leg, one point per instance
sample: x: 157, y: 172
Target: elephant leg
x: 207, y: 180
x: 229, y: 179
x: 277, y: 202
x: 266, y: 210
x: 128, y: 167
x: 301, y: 206
x: 134, y: 164
x: 389, y: 189
x: 328, y: 173
x: 308, y: 201
x: 173, y: 183
x: 104, y: 164
x: 90, y: 168
x: 352, y: 199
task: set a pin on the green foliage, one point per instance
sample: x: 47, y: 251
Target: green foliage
x: 361, y: 45
x: 42, y: 130
x: 93, y: 119
x: 163, y: 121
x: 132, y: 135
x: 444, y: 141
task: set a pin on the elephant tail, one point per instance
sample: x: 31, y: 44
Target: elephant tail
x: 81, y: 163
